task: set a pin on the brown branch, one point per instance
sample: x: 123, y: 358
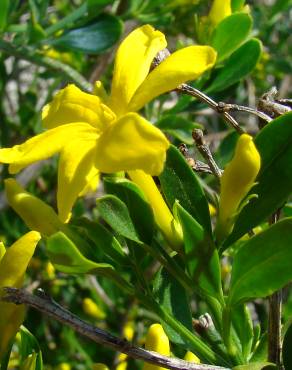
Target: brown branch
x: 46, y: 305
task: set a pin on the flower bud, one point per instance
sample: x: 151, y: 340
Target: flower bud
x: 220, y: 9
x: 191, y: 357
x: 156, y: 340
x: 236, y: 181
x: 92, y: 309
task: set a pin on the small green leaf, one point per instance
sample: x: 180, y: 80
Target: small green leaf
x: 66, y: 257
x: 139, y: 209
x: 287, y: 353
x: 4, y: 8
x: 256, y: 366
x: 178, y: 127
x: 202, y: 258
x: 103, y: 240
x: 237, y: 5
x: 93, y: 38
x: 179, y: 182
x: 242, y: 324
x: 239, y: 64
x: 173, y: 298
x: 274, y: 143
x: 260, y: 353
x: 263, y: 264
x: 116, y: 214
x: 230, y: 34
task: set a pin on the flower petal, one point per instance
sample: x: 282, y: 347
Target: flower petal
x: 73, y: 105
x: 132, y: 64
x: 183, y: 65
x: 131, y: 143
x: 43, y: 146
x: 75, y: 173
x: 16, y: 259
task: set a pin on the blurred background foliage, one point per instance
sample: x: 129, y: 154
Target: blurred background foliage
x: 46, y: 44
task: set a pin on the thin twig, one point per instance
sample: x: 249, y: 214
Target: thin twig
x: 46, y: 305
x: 36, y: 57
x: 205, y: 151
x: 223, y: 107
x: 189, y: 90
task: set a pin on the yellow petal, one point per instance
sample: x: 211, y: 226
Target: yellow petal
x: 36, y: 214
x: 16, y: 259
x: 2, y: 250
x: 220, y: 9
x: 43, y: 146
x: 131, y: 143
x: 132, y: 64
x: 73, y: 105
x: 75, y: 173
x: 156, y: 340
x: 185, y: 64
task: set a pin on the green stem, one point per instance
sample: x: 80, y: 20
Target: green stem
x: 36, y: 57
x: 68, y: 20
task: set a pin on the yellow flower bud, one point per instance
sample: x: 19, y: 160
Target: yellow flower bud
x: 128, y: 330
x: 35, y: 213
x: 236, y: 181
x: 191, y: 357
x: 92, y: 309
x: 50, y: 270
x: 156, y: 340
x: 212, y: 210
x: 220, y: 9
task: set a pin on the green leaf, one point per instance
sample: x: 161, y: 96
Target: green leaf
x: 30, y: 353
x: 173, y: 298
x: 226, y: 149
x: 4, y: 8
x: 66, y: 257
x: 116, y: 214
x: 179, y: 182
x: 263, y: 264
x: 242, y: 324
x: 287, y: 353
x: 230, y: 34
x: 256, y: 366
x: 93, y: 38
x: 178, y: 127
x: 274, y: 143
x: 260, y: 353
x: 139, y: 209
x: 103, y: 240
x: 239, y: 64
x: 237, y: 5
x: 202, y: 258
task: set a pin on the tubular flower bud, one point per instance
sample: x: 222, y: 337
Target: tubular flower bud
x: 236, y: 181
x: 163, y: 217
x: 36, y: 214
x: 156, y: 340
x: 191, y: 357
x: 220, y: 9
x: 92, y: 309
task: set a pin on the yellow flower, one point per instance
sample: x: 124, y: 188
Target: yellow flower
x: 220, y: 9
x: 236, y: 181
x: 156, y: 340
x: 94, y: 135
x: 92, y: 309
x: 13, y: 264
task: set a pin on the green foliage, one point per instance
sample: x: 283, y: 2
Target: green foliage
x: 211, y: 299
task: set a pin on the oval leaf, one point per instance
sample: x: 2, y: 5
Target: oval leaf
x: 179, y: 182
x: 263, y: 264
x: 93, y: 38
x: 230, y: 34
x: 239, y: 64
